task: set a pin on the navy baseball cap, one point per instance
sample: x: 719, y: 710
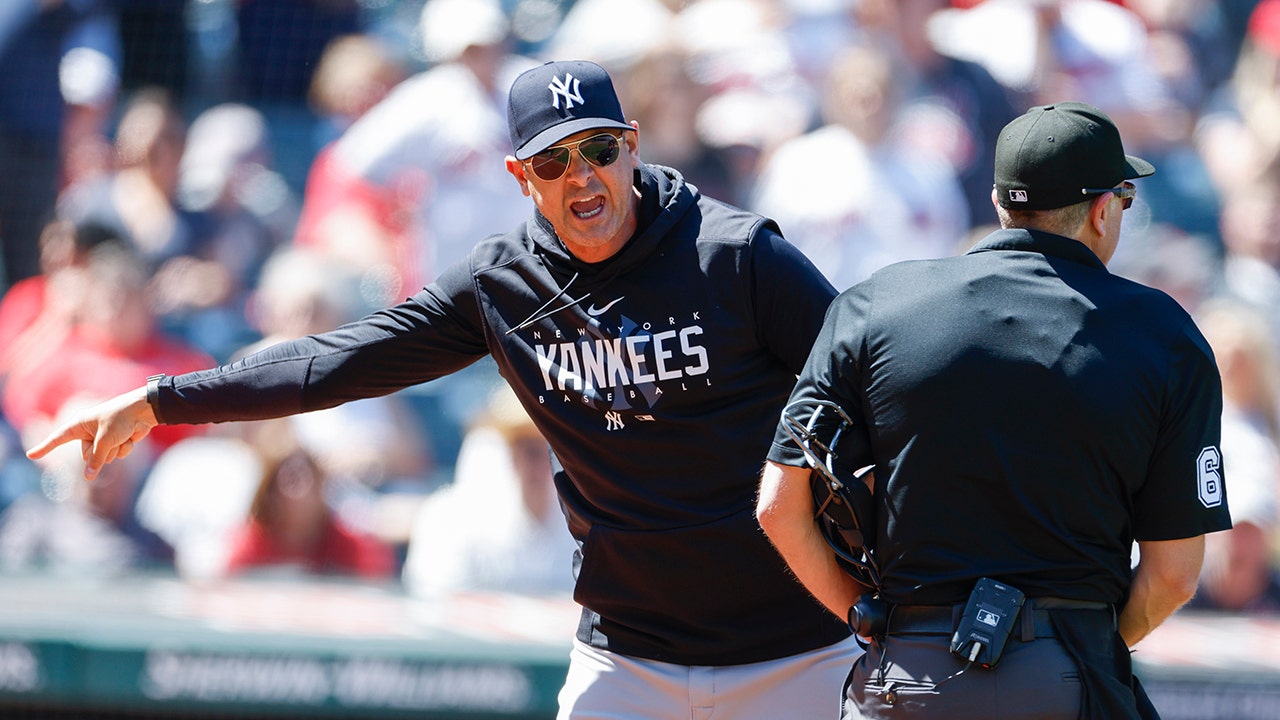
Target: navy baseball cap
x: 550, y: 102
x: 1047, y: 157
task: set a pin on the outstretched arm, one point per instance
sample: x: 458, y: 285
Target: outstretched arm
x: 106, y: 431
x: 785, y: 511
x: 1165, y: 579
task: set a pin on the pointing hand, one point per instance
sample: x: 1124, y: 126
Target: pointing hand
x: 106, y: 431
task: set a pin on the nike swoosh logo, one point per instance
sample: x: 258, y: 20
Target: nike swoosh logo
x: 594, y: 311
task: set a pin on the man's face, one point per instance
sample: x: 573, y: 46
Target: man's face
x: 593, y: 209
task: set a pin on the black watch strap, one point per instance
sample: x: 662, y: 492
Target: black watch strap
x: 153, y: 394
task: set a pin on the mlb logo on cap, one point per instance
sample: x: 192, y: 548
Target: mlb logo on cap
x: 550, y: 102
x: 1017, y: 196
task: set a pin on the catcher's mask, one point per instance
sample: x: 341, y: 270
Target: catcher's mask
x: 846, y: 513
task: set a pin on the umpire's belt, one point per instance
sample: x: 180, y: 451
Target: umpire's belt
x: 1033, y: 619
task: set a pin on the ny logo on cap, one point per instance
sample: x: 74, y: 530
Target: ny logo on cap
x: 1017, y: 196
x: 567, y: 89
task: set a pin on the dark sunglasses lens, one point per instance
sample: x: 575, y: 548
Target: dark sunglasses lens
x: 550, y: 164
x: 600, y: 150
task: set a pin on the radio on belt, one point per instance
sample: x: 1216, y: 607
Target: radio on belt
x: 986, y: 623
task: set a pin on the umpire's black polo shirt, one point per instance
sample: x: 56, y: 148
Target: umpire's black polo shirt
x: 1029, y: 415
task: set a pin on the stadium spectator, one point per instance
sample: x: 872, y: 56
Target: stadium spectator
x: 377, y: 452
x: 1189, y: 51
x: 1245, y: 348
x: 1250, y: 227
x: 227, y: 179
x: 952, y: 105
x: 198, y: 491
x: 343, y: 216
x: 138, y: 200
x: 744, y: 126
x: 1237, y: 132
x: 291, y: 527
x: 81, y: 529
x: 113, y: 340
x: 354, y: 74
x: 38, y: 312
x: 405, y: 192
x: 61, y: 73
x: 1047, y: 52
x: 1239, y: 573
x: 850, y: 194
x: 686, y: 69
x: 498, y: 527
x: 666, y: 99
x: 410, y: 186
x: 1191, y: 45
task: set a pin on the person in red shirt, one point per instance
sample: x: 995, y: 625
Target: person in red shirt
x: 113, y: 339
x: 291, y: 526
x: 36, y: 313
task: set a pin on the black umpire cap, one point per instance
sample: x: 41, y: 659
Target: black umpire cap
x: 1050, y: 156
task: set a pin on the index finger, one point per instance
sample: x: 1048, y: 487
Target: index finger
x: 66, y: 435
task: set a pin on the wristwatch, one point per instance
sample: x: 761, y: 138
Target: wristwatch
x: 153, y: 393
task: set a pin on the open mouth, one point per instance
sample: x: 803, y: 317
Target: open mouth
x: 587, y: 209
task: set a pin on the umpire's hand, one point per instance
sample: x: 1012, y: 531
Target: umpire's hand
x: 106, y: 431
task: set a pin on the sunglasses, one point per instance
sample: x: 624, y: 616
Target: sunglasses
x: 599, y: 150
x: 1125, y: 192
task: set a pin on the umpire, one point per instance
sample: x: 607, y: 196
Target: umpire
x: 1029, y: 416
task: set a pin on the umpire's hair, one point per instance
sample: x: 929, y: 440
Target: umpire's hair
x: 1065, y: 221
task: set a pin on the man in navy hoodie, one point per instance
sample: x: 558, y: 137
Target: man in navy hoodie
x: 653, y: 334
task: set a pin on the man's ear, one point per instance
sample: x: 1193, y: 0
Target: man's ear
x: 1098, y: 214
x: 632, y: 139
x: 516, y: 168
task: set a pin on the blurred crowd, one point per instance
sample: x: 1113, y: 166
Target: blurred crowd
x: 182, y: 183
